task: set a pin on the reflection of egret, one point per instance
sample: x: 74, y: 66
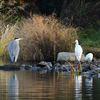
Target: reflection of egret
x: 89, y: 57
x: 13, y: 87
x: 78, y: 87
x: 89, y: 83
x: 13, y: 49
x: 78, y: 51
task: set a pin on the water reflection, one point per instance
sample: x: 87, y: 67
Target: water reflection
x: 89, y: 86
x: 78, y: 87
x: 13, y: 87
x: 30, y: 85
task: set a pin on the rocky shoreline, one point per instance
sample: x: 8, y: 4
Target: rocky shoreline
x: 88, y: 69
x: 62, y: 65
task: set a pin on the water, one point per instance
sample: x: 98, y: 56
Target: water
x: 33, y: 85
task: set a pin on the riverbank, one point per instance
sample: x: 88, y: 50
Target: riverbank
x: 44, y: 35
x: 43, y: 38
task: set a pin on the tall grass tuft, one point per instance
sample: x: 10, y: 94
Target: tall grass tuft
x: 43, y: 37
x: 7, y: 35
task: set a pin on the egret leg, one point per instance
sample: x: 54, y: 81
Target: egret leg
x: 77, y: 69
x: 80, y: 65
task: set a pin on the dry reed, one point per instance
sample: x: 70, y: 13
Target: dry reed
x: 43, y: 37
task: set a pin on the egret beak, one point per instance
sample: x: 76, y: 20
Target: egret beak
x: 21, y: 38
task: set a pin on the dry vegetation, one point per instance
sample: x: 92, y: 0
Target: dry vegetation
x: 43, y: 37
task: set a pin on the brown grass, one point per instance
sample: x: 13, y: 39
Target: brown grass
x: 43, y: 37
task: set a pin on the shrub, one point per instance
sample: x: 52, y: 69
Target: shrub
x: 43, y: 37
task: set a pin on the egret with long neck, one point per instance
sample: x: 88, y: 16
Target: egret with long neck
x: 78, y: 51
x: 14, y: 48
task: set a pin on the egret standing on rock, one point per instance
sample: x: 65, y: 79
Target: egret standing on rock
x: 89, y: 57
x: 14, y: 48
x: 78, y: 51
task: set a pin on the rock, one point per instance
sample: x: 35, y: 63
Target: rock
x: 94, y: 60
x: 28, y: 67
x: 63, y: 56
x: 42, y: 64
x: 36, y: 68
x: 85, y: 64
x: 10, y: 67
x: 57, y: 64
x: 49, y: 64
x: 99, y: 64
x: 63, y: 67
x: 86, y: 68
x: 90, y: 73
x: 22, y: 66
x: 97, y: 69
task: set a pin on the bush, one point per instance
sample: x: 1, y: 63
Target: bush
x: 43, y: 37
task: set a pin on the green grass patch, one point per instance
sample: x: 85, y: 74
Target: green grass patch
x: 90, y: 37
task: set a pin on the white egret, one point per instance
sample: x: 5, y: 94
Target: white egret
x: 78, y: 51
x: 89, y: 57
x: 14, y: 48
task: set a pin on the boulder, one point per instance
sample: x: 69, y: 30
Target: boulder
x: 63, y: 56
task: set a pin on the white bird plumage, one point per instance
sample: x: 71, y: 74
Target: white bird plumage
x: 78, y: 50
x: 14, y: 48
x: 89, y: 57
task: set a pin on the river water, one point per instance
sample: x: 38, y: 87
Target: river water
x: 37, y: 85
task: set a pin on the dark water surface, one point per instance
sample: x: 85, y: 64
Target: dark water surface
x: 36, y: 85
